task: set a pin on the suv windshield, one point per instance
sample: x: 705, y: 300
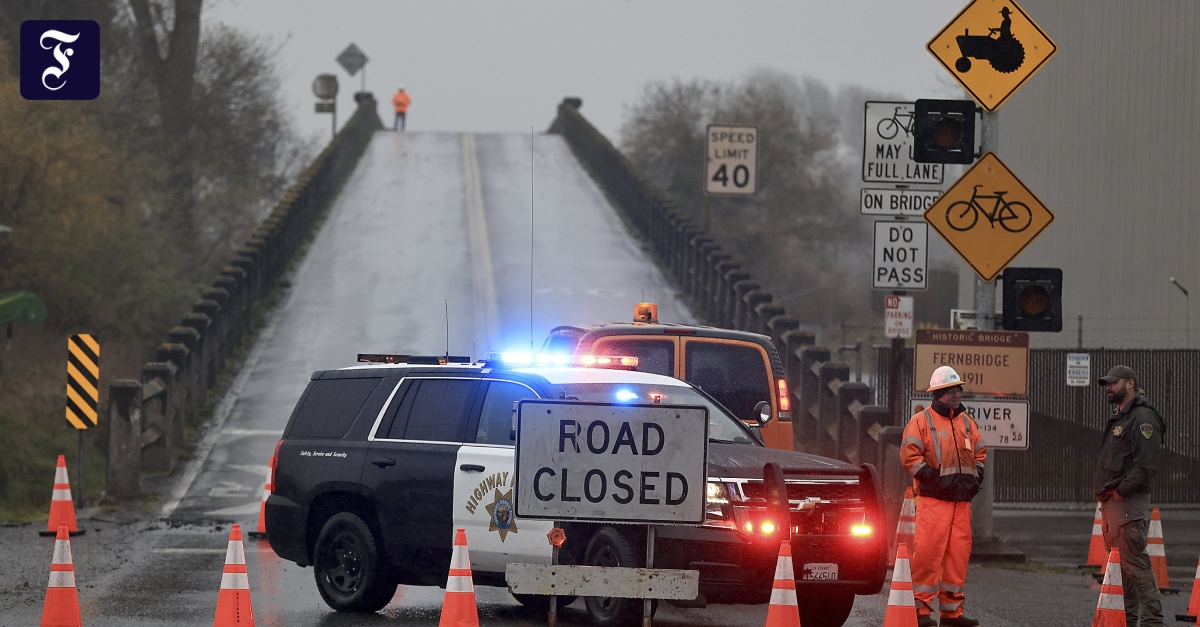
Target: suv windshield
x: 722, y: 427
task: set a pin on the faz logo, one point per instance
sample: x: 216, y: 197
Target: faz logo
x: 60, y: 60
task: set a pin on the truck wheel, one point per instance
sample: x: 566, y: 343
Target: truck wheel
x: 611, y: 548
x: 349, y: 568
x: 826, y: 610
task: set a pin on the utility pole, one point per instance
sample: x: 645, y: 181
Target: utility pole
x: 985, y: 315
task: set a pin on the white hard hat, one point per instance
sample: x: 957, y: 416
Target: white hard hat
x: 401, y: 88
x: 944, y: 377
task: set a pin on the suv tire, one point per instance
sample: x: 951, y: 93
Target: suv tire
x: 609, y: 547
x: 348, y: 566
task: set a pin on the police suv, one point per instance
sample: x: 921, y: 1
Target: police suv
x: 379, y: 463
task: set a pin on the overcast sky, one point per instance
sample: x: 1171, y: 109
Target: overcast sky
x: 486, y: 66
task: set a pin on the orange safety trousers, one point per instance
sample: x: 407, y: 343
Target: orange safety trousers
x: 942, y: 550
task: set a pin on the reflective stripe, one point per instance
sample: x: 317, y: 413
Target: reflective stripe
x: 937, y: 444
x: 917, y: 467
x: 950, y: 607
x: 1098, y: 530
x: 60, y: 476
x: 62, y: 552
x: 912, y: 439
x: 902, y: 572
x: 61, y: 495
x: 235, y: 581
x: 460, y: 559
x: 901, y: 597
x: 907, y: 527
x: 783, y: 596
x: 924, y: 588
x: 234, y: 553
x: 459, y: 584
x: 1111, y: 602
x: 924, y: 605
x: 1198, y: 570
x: 1155, y: 530
x: 978, y: 446
x: 949, y: 588
x: 957, y: 470
x: 1156, y: 550
x: 1112, y: 574
x: 966, y: 425
x: 783, y: 569
x: 61, y: 579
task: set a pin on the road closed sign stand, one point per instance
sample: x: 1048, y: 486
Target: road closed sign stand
x: 609, y: 463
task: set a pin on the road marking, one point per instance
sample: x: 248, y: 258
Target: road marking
x: 229, y: 488
x: 237, y: 510
x: 275, y: 432
x: 483, y: 282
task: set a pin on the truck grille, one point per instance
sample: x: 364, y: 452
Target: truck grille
x: 838, y: 492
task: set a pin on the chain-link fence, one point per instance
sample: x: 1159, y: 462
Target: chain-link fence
x: 1065, y: 423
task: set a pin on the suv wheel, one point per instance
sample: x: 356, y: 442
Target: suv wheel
x: 610, y: 547
x: 348, y: 566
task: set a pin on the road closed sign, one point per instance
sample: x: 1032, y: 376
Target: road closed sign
x: 900, y: 255
x: 731, y: 160
x: 609, y: 462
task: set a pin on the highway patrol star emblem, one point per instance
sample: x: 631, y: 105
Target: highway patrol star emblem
x: 500, y: 515
x: 1118, y: 430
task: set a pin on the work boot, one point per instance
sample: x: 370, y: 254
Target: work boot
x: 925, y: 620
x: 959, y: 621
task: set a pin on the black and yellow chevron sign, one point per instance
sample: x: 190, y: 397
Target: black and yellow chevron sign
x: 83, y: 381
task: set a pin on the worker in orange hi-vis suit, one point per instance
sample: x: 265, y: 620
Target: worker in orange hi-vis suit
x: 400, y: 101
x: 944, y: 452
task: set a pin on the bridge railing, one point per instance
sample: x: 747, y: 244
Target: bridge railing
x: 148, y: 414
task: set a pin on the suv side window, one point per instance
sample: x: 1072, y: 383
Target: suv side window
x: 656, y: 356
x: 495, y: 421
x: 710, y: 364
x: 330, y: 406
x: 439, y: 410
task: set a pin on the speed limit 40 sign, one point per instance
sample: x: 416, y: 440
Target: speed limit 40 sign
x: 730, y: 158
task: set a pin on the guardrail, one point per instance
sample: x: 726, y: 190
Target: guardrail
x: 148, y: 415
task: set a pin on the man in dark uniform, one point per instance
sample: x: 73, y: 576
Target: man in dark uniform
x: 1129, y: 453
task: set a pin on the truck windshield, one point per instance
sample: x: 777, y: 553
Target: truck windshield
x: 722, y: 427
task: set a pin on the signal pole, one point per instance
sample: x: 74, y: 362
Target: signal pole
x: 985, y: 315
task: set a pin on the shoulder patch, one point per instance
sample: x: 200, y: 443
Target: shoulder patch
x: 1147, y: 430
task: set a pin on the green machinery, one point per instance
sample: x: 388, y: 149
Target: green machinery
x: 22, y: 306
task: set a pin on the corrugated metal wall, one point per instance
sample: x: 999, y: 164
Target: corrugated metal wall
x: 1107, y: 135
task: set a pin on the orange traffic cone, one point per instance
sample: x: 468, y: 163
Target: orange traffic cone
x: 784, y: 610
x: 62, y: 599
x: 1158, y: 553
x: 906, y: 529
x: 260, y: 531
x: 901, y: 607
x: 1193, y: 610
x: 1096, y: 547
x: 458, y: 605
x: 1110, y: 609
x: 233, y: 601
x: 62, y: 509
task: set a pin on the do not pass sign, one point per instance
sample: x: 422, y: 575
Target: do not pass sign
x: 900, y: 255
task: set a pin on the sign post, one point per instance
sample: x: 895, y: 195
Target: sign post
x: 83, y: 394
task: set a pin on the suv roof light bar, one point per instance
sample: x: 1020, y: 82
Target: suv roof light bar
x: 438, y: 360
x: 519, y: 359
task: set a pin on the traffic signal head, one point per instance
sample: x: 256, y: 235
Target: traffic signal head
x: 944, y: 131
x: 1033, y: 299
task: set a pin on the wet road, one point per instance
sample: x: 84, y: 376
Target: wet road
x: 427, y: 250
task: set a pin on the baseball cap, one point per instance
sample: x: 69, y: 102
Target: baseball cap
x: 1117, y: 372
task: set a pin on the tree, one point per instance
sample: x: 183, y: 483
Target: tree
x: 794, y: 236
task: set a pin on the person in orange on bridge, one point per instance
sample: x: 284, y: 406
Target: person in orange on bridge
x: 400, y: 101
x: 944, y: 452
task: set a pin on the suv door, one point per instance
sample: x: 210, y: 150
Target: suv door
x: 410, y: 471
x: 737, y: 374
x: 483, y: 487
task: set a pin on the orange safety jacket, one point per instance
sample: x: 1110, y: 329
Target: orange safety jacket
x: 401, y: 101
x: 944, y: 455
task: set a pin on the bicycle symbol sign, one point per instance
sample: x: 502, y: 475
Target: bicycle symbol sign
x: 887, y: 147
x: 992, y: 47
x: 988, y: 216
